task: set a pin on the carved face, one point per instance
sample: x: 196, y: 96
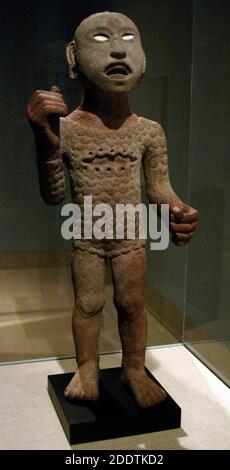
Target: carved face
x: 108, y: 52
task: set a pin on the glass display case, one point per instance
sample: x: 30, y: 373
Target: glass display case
x: 186, y: 90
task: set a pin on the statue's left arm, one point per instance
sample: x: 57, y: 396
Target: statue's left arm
x: 183, y: 218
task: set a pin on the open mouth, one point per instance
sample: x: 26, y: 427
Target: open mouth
x: 118, y: 68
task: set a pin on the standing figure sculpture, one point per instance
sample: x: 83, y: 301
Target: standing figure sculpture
x: 103, y: 144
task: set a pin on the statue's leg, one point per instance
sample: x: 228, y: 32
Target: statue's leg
x: 129, y: 277
x: 88, y: 274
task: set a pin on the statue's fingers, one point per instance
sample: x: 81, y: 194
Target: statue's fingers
x: 45, y: 98
x: 41, y: 95
x: 185, y: 228
x: 49, y: 105
x: 176, y: 214
x: 190, y: 217
x: 181, y: 238
x: 55, y: 89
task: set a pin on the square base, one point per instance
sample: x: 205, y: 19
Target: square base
x: 116, y: 414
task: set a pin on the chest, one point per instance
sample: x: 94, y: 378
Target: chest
x: 113, y: 148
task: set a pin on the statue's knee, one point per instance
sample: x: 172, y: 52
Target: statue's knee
x: 129, y: 304
x: 88, y: 307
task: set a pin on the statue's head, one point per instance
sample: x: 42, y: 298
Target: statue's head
x: 106, y: 53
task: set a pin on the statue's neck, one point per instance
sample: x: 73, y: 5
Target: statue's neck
x: 112, y: 109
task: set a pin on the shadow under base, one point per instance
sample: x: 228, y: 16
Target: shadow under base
x: 116, y: 414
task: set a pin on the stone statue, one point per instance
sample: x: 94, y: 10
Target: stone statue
x: 103, y: 144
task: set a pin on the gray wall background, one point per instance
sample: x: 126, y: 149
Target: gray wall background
x: 33, y: 38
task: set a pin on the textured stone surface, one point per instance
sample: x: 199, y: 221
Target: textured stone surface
x: 103, y: 144
x: 107, y: 166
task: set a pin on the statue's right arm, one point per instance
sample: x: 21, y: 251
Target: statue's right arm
x: 44, y: 111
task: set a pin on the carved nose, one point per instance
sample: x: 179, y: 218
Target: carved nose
x: 118, y: 55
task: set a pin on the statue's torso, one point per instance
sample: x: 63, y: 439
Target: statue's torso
x: 105, y: 164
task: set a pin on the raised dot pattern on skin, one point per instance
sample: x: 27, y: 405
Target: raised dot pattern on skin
x: 106, y: 164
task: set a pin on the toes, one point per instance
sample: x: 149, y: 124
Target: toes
x: 68, y: 394
x: 146, y: 392
x: 77, y: 392
x: 71, y: 393
x: 159, y: 392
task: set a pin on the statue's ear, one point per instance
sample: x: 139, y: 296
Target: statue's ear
x: 71, y: 59
x: 144, y: 65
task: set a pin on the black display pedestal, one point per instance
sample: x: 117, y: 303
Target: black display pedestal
x: 116, y: 414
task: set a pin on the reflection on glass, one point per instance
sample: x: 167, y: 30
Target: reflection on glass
x: 187, y: 300
x: 36, y: 293
x: 207, y: 328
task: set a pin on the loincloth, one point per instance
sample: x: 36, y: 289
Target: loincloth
x: 108, y: 248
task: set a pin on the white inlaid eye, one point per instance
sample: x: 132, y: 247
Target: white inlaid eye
x: 101, y: 37
x: 128, y: 36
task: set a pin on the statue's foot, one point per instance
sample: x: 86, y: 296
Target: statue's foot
x: 84, y: 384
x: 146, y: 392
